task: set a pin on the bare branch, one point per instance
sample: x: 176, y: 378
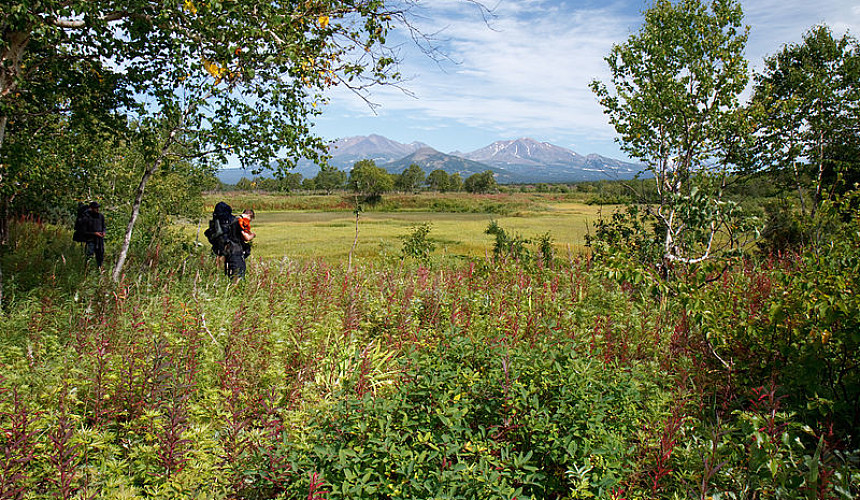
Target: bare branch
x: 81, y: 23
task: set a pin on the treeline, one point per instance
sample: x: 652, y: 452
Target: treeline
x: 366, y: 178
x: 764, y: 187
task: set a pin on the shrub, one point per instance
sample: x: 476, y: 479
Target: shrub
x: 489, y: 420
x: 417, y: 245
x: 507, y: 246
x: 782, y: 231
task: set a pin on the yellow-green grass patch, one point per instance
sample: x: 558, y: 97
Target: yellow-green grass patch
x: 330, y: 235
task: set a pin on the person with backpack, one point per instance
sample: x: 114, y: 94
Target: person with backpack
x: 219, y: 226
x: 230, y: 238
x: 239, y: 248
x: 90, y: 229
x: 244, y: 221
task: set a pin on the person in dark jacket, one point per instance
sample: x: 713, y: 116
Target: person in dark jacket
x: 239, y: 245
x: 95, y: 234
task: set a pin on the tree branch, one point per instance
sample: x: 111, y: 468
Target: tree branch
x: 108, y: 18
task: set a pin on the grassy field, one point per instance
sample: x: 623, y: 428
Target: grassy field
x: 329, y: 234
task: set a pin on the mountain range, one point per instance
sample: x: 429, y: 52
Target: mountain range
x: 515, y: 161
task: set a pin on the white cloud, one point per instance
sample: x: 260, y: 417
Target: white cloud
x: 526, y: 72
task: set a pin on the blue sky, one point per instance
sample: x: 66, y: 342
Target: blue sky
x: 525, y: 72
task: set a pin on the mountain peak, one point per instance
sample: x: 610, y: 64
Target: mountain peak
x: 524, y: 151
x: 521, y: 160
x: 374, y: 147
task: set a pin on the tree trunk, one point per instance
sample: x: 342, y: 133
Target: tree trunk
x: 135, y: 209
x: 357, y: 213
x: 819, y: 178
x: 3, y: 121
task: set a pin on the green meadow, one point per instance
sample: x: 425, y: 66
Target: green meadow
x: 328, y: 231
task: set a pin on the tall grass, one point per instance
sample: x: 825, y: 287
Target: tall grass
x: 396, y: 379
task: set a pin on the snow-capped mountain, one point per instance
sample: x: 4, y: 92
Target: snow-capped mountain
x: 525, y: 152
x: 516, y: 161
x: 528, y: 160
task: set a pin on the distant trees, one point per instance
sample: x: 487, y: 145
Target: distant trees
x: 290, y: 181
x: 329, y: 178
x: 367, y: 179
x: 309, y: 184
x: 484, y: 182
x: 245, y: 184
x: 411, y: 179
x: 455, y: 182
x: 438, y: 180
x: 282, y: 183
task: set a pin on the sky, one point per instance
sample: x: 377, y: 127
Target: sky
x: 523, y: 70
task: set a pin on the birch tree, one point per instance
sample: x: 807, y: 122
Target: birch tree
x: 673, y: 98
x: 808, y: 97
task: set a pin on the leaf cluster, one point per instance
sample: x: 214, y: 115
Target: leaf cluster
x: 478, y: 420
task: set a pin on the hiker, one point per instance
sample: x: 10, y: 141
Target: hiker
x: 240, y: 245
x: 244, y: 221
x: 230, y: 237
x: 93, y: 229
x: 217, y: 233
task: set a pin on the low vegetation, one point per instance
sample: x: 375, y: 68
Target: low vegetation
x: 520, y: 375
x: 329, y: 232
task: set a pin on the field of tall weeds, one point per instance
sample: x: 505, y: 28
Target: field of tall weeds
x: 506, y: 378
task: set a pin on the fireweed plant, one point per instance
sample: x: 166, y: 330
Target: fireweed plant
x: 416, y: 378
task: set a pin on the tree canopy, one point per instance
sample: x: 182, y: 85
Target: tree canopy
x: 367, y: 179
x: 438, y: 180
x: 808, y: 102
x: 329, y: 178
x: 674, y: 101
x: 484, y: 182
x: 411, y: 179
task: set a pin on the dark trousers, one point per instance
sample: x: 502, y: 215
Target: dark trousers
x: 234, y: 260
x: 235, y: 265
x: 96, y: 247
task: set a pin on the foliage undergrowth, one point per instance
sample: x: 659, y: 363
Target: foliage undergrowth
x: 414, y: 379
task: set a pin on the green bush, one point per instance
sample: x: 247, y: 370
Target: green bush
x: 488, y: 420
x: 417, y: 245
x: 476, y: 379
x: 782, y: 230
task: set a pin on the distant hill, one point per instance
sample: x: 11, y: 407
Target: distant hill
x: 525, y: 152
x: 521, y: 160
x: 345, y: 152
x: 234, y: 175
x: 429, y: 160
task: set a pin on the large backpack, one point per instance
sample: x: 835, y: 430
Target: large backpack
x: 81, y: 222
x: 222, y: 229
